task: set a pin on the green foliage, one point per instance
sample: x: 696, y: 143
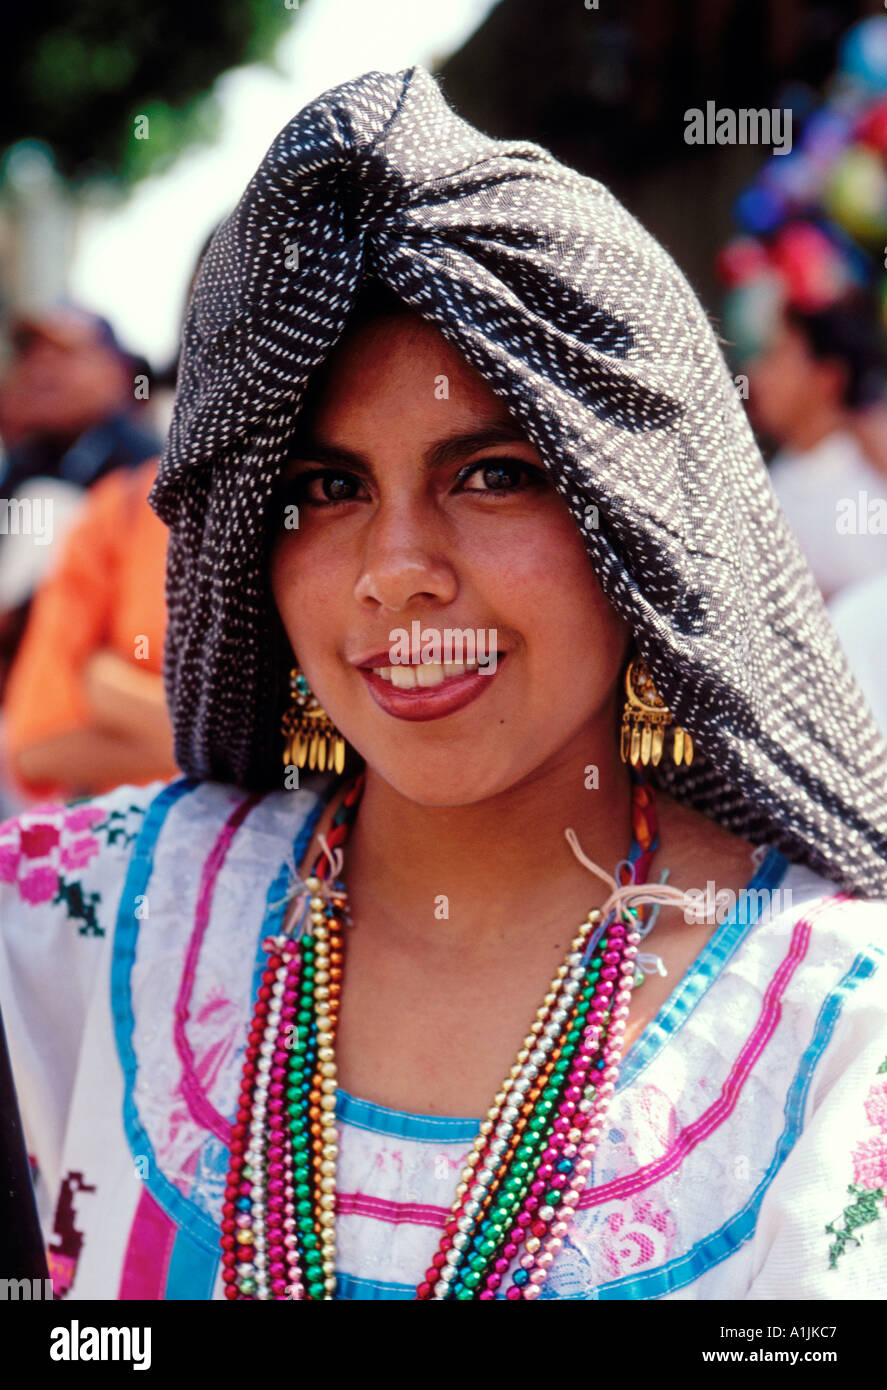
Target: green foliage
x: 865, y: 1209
x: 76, y: 77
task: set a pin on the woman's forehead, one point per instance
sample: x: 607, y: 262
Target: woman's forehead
x: 403, y: 373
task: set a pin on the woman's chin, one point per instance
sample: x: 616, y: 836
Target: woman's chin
x: 444, y: 782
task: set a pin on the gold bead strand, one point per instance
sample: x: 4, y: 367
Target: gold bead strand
x: 327, y: 938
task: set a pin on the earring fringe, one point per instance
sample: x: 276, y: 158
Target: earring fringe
x: 310, y: 737
x: 645, y: 719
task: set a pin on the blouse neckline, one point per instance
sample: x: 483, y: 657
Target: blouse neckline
x: 690, y: 989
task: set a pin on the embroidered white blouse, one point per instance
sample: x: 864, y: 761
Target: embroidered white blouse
x: 744, y: 1155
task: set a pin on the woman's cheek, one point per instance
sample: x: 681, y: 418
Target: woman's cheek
x: 301, y: 574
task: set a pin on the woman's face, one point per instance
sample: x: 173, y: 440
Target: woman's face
x: 425, y: 516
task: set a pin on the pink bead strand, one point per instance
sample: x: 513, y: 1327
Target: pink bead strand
x: 579, y: 1077
x: 590, y: 1129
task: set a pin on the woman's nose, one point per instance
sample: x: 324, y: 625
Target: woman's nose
x: 404, y: 558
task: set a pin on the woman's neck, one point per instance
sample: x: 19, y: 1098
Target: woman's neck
x: 467, y: 876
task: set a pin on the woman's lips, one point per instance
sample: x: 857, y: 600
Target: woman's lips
x: 430, y: 702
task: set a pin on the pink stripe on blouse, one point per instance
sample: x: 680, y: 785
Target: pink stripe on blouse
x: 201, y: 1109
x: 152, y: 1236
x: 394, y: 1213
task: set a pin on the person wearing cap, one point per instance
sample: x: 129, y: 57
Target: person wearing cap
x: 545, y: 964
x: 67, y: 403
x: 68, y: 417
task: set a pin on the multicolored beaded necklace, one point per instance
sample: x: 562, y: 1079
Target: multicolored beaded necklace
x: 533, y: 1154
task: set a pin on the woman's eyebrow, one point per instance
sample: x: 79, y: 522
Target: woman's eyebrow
x: 436, y: 455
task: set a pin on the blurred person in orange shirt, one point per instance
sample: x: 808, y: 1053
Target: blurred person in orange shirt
x: 69, y: 416
x: 84, y: 708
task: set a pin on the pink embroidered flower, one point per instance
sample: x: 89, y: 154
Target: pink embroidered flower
x: 876, y: 1105
x: 870, y: 1164
x: 55, y: 834
x: 38, y: 885
x: 38, y: 840
x: 77, y: 853
x: 9, y: 857
x: 637, y: 1236
x: 870, y: 1154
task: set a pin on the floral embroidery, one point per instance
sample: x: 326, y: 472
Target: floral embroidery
x: 41, y: 847
x: 638, y: 1236
x: 639, y: 1233
x: 869, y: 1186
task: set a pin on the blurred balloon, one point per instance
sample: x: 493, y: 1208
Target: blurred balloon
x: 856, y: 194
x: 742, y: 260
x: 813, y: 270
x: 750, y: 314
x: 760, y: 210
x: 859, y: 264
x: 825, y: 135
x: 794, y: 179
x: 863, y: 53
x: 872, y: 128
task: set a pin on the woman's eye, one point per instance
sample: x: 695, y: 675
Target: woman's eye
x: 329, y: 487
x: 323, y: 487
x: 500, y: 475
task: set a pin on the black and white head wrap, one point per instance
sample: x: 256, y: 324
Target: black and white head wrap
x: 583, y: 325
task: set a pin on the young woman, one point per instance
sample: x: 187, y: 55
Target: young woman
x: 517, y: 929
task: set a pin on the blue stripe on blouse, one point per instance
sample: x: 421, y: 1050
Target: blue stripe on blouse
x: 378, y: 1119
x: 348, y: 1286
x: 192, y: 1270
x: 141, y: 864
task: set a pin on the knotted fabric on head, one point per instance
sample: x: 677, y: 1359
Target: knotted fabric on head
x: 583, y: 325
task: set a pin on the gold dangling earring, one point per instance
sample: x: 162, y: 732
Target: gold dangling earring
x: 310, y: 736
x: 645, y: 718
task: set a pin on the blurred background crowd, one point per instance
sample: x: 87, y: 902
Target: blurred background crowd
x: 126, y: 138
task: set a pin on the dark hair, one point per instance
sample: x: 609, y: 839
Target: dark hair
x: 849, y: 332
x: 374, y: 300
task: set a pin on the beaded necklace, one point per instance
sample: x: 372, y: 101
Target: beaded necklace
x: 532, y: 1156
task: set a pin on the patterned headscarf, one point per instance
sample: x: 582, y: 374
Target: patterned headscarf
x: 585, y: 328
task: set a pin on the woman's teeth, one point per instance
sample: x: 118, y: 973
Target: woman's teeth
x: 429, y: 673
